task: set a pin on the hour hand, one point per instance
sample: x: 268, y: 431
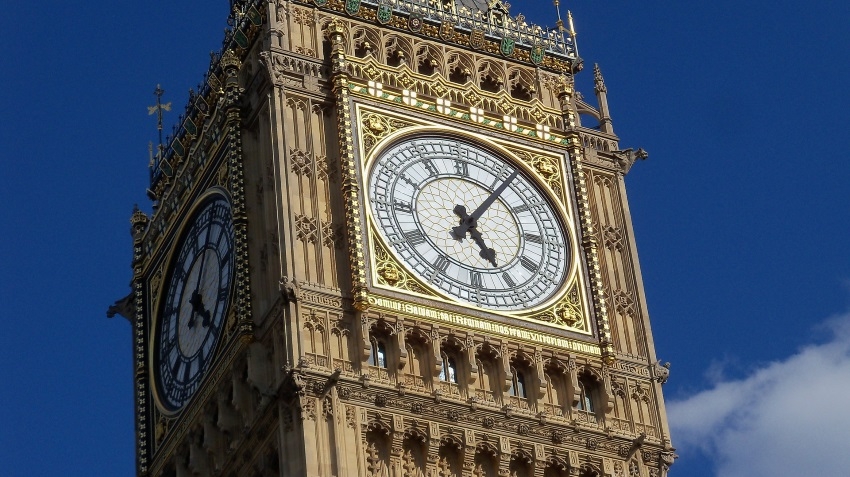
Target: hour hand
x: 486, y: 252
x: 466, y: 221
x: 197, y: 303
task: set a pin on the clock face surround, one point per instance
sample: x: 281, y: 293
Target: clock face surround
x: 468, y: 222
x: 195, y: 302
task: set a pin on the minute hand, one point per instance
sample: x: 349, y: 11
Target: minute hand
x: 495, y: 195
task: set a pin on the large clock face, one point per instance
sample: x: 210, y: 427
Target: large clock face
x: 468, y: 222
x: 196, y: 300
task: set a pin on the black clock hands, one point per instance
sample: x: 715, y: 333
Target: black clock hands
x: 197, y: 301
x: 198, y: 307
x: 469, y: 222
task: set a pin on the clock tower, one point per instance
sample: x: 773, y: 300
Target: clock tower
x: 389, y: 238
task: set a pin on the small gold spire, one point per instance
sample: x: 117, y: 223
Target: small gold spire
x: 572, y: 31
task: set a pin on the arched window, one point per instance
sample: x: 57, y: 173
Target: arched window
x: 448, y: 372
x: 379, y: 353
x: 518, y: 384
x: 586, y: 390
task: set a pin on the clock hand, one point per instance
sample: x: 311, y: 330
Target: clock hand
x: 486, y: 253
x: 471, y: 221
x: 197, y: 302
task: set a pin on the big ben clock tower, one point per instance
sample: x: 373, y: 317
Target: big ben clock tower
x: 384, y: 243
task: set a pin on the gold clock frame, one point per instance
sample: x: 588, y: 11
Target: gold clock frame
x: 376, y: 128
x: 159, y: 292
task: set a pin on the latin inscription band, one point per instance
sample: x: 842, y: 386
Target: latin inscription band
x: 482, y: 325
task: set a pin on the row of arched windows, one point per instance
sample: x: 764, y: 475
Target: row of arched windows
x: 488, y: 380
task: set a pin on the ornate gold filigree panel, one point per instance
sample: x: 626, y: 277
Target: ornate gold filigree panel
x: 569, y: 312
x: 390, y: 273
x: 376, y: 126
x: 547, y: 166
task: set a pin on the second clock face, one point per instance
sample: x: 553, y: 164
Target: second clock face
x: 195, y: 303
x: 469, y: 223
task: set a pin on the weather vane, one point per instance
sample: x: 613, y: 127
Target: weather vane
x: 158, y: 109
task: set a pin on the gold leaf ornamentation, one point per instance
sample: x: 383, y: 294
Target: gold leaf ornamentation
x: 473, y: 98
x: 376, y: 126
x: 223, y: 176
x: 538, y: 114
x: 567, y: 312
x: 440, y: 90
x: 506, y: 106
x: 547, y: 167
x: 372, y: 73
x: 391, y: 274
x: 406, y: 80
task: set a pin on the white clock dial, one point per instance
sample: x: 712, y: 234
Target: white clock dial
x: 196, y: 300
x: 468, y: 222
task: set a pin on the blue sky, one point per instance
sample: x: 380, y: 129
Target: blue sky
x: 740, y: 212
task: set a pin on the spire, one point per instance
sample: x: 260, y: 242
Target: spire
x: 573, y: 33
x: 602, y: 100
x: 598, y: 80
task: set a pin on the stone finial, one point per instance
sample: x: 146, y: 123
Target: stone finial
x: 138, y: 222
x: 598, y: 81
x: 230, y: 63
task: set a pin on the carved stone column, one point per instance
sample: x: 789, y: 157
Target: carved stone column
x: 504, y: 457
x: 472, y: 364
x: 507, y: 375
x: 402, y: 349
x: 539, y: 460
x: 542, y: 382
x: 433, y: 456
x: 336, y: 33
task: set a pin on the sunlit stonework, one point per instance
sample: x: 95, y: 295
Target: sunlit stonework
x: 430, y: 261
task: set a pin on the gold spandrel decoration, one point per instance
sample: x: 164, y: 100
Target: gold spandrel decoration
x: 163, y: 425
x: 377, y: 126
x: 230, y: 323
x: 391, y: 274
x: 156, y: 281
x: 567, y: 312
x: 546, y: 166
x: 222, y: 176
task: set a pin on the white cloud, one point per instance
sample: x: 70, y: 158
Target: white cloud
x: 788, y: 418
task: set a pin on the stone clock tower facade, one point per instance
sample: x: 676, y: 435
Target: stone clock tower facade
x: 383, y: 243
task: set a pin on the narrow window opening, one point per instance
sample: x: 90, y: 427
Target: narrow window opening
x: 585, y: 402
x: 449, y: 371
x: 518, y: 384
x: 379, y: 357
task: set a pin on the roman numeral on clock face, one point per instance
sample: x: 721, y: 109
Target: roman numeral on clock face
x: 429, y: 166
x: 441, y: 264
x: 508, y: 279
x: 402, y: 206
x: 414, y: 237
x: 533, y: 238
x: 528, y: 264
x: 462, y: 168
